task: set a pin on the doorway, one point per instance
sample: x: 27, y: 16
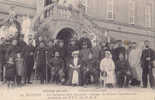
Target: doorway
x: 66, y: 35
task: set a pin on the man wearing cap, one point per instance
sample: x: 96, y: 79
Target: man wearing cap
x: 146, y: 59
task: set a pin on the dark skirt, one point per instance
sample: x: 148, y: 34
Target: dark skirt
x: 10, y: 73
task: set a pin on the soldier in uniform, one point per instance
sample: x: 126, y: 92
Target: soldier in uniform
x: 41, y: 61
x: 29, y: 60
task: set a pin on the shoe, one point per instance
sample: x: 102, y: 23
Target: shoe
x: 29, y: 82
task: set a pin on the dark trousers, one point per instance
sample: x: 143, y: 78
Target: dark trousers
x: 18, y: 80
x: 42, y: 73
x: 123, y: 79
x: 87, y: 76
x: 28, y: 75
x: 29, y: 69
x: 147, y: 72
x: 1, y: 71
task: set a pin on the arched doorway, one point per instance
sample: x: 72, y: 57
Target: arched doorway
x: 66, y: 35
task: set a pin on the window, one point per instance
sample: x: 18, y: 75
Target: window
x: 132, y: 9
x: 84, y: 4
x: 148, y: 15
x: 110, y: 9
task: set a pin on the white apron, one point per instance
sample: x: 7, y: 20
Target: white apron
x: 75, y: 79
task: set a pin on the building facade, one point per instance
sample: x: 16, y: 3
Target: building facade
x: 125, y: 19
x: 131, y: 20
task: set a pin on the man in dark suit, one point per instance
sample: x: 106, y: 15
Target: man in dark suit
x: 29, y: 60
x: 146, y: 59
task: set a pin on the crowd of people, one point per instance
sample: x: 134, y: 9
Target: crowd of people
x: 77, y: 63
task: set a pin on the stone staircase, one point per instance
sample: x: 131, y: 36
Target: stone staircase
x: 58, y: 12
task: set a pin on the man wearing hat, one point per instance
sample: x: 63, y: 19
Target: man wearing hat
x: 146, y: 59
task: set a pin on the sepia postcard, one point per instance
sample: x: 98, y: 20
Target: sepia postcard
x: 77, y: 49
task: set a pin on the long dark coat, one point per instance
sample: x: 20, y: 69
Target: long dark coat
x: 29, y: 58
x: 40, y: 58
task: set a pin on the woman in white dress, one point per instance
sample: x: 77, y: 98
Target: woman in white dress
x: 107, y: 66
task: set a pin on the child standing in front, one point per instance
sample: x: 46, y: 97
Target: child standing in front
x: 10, y: 72
x: 107, y: 66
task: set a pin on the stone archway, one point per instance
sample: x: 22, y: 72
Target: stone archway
x: 66, y: 34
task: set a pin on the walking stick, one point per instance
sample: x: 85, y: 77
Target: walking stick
x: 4, y: 74
x: 35, y: 68
x: 46, y: 67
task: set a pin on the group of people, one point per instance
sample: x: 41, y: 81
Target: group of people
x: 76, y: 63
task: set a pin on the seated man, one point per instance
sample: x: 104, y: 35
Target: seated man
x: 90, y: 71
x: 57, y: 69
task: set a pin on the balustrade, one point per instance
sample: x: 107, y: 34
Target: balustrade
x: 59, y: 11
x: 56, y: 11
